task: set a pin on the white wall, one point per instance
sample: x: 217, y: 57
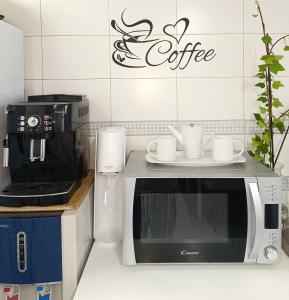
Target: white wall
x: 69, y: 43
x: 11, y: 79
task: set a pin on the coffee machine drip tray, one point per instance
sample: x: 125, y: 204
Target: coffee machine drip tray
x: 36, y: 194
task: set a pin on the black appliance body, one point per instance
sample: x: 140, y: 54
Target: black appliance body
x: 47, y: 152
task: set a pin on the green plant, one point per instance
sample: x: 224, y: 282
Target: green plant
x: 270, y: 117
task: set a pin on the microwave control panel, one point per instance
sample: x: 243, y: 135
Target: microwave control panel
x: 270, y: 189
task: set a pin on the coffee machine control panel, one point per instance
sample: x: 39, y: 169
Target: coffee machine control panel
x: 35, y: 123
x: 38, y: 118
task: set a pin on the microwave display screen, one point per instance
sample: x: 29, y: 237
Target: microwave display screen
x: 190, y: 220
x: 271, y: 216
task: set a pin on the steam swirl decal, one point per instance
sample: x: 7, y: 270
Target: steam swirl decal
x: 137, y: 48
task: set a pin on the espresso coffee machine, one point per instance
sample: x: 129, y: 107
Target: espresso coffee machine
x: 44, y: 149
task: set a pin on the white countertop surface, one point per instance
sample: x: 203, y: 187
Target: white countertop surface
x: 105, y: 278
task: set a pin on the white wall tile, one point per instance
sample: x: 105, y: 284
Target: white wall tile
x: 75, y: 17
x: 143, y: 99
x: 210, y: 98
x: 160, y: 13
x: 254, y: 49
x: 141, y: 50
x: 217, y: 16
x: 32, y: 58
x: 11, y: 53
x: 251, y: 93
x: 275, y: 15
x: 78, y: 57
x: 138, y: 142
x: 24, y: 14
x: 12, y: 90
x: 228, y: 60
x: 97, y: 92
x: 32, y: 87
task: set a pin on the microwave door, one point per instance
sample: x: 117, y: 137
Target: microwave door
x: 189, y: 220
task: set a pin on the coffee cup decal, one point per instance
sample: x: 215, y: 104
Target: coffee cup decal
x: 124, y: 53
x: 137, y: 48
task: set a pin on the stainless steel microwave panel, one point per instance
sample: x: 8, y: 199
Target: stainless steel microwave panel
x: 263, y: 196
x: 264, y: 220
x: 138, y: 167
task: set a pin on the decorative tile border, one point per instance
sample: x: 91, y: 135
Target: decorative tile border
x: 232, y: 127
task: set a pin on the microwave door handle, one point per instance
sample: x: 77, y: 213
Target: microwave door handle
x: 259, y: 225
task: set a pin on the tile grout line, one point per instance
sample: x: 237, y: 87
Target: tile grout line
x: 148, y: 78
x: 110, y: 67
x: 153, y: 34
x: 243, y: 88
x: 41, y: 44
x: 168, y: 77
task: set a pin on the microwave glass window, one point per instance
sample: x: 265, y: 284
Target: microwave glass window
x: 203, y: 213
x: 188, y: 218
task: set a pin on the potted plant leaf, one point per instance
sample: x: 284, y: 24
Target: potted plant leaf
x: 272, y: 115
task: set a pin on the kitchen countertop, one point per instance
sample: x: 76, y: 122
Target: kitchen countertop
x: 105, y: 278
x: 74, y: 202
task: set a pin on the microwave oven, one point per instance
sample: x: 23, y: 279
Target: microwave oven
x: 224, y: 214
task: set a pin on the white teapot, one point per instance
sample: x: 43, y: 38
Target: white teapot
x: 191, y: 137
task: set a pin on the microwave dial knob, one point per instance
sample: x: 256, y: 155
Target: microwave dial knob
x: 271, y: 253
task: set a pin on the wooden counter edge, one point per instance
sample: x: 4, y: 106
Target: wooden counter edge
x: 74, y: 203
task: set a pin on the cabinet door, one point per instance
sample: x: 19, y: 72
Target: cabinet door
x: 30, y: 250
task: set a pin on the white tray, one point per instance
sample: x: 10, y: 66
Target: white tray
x: 204, y: 161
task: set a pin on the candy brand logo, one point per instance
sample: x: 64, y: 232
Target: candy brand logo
x: 4, y: 226
x: 138, y: 48
x: 185, y: 252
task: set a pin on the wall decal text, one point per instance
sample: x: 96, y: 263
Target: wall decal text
x: 139, y: 48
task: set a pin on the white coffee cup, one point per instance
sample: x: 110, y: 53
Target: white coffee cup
x: 223, y: 148
x: 166, y: 148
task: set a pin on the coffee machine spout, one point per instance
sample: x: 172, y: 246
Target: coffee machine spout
x: 42, y: 149
x: 31, y: 157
